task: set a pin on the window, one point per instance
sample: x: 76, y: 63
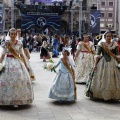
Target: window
x: 102, y: 14
x: 110, y: 3
x: 102, y: 25
x: 110, y: 15
x: 103, y: 3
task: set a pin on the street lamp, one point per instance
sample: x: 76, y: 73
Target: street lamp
x: 80, y: 17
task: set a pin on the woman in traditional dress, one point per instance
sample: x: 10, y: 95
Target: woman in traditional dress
x: 63, y: 87
x: 84, y: 60
x: 105, y: 83
x: 15, y: 83
x: 44, y: 54
x: 55, y: 44
x: 26, y: 54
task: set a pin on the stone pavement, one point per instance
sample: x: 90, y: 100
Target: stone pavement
x: 44, y: 108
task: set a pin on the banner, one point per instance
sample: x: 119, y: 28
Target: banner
x: 40, y: 21
x: 1, y: 21
x: 94, y: 21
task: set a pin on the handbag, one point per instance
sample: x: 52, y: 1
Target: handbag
x: 88, y: 90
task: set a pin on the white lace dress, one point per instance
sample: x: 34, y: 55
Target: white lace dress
x: 15, y: 83
x: 84, y: 63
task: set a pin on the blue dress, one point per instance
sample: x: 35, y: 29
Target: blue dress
x: 63, y: 84
x: 55, y: 48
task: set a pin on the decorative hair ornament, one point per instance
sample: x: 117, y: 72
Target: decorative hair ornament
x: 7, y: 37
x: 67, y: 48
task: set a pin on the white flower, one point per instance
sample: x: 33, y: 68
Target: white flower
x: 118, y: 65
x: 50, y: 66
x: 1, y: 66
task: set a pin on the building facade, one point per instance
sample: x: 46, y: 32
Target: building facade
x: 70, y: 16
x: 109, y: 18
x: 8, y: 18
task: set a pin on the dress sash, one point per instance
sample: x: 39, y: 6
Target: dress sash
x: 110, y: 53
x: 71, y: 72
x: 86, y: 47
x: 11, y: 49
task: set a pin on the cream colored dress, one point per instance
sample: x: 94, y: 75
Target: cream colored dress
x: 15, y: 84
x: 106, y: 79
x: 84, y: 62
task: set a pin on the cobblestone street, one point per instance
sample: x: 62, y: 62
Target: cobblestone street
x: 44, y: 108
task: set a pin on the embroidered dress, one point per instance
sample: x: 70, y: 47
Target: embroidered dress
x: 15, y: 83
x: 84, y: 63
x: 106, y: 80
x: 63, y: 84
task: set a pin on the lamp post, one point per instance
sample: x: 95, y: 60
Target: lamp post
x: 80, y: 18
x: 12, y: 14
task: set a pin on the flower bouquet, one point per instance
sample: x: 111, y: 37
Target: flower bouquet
x: 49, y: 66
x: 118, y: 65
